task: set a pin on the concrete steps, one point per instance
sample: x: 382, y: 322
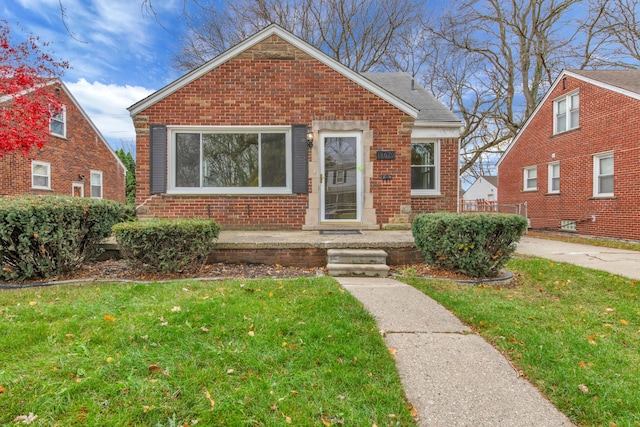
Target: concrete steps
x: 357, y: 262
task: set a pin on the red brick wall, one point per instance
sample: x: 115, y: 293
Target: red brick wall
x: 273, y: 84
x: 608, y: 122
x: 77, y: 154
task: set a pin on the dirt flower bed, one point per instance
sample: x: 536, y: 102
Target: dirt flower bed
x: 120, y: 270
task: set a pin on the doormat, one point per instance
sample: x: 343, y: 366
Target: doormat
x: 340, y: 232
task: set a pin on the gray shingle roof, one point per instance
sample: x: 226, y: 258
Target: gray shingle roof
x: 493, y: 180
x: 624, y: 79
x: 399, y: 85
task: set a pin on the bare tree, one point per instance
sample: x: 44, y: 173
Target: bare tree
x: 358, y: 33
x: 493, y: 60
x: 622, y: 23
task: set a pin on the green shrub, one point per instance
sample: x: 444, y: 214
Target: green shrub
x: 477, y: 245
x: 167, y: 245
x: 44, y: 236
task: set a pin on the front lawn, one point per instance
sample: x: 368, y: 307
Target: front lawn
x: 574, y: 332
x: 256, y: 353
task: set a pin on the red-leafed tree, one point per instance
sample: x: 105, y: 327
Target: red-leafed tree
x: 27, y: 92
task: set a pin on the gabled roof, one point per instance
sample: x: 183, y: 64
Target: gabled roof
x: 45, y: 82
x: 79, y: 107
x: 93, y: 126
x: 404, y: 87
x: 395, y: 91
x: 625, y: 82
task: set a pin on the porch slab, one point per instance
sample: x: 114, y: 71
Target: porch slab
x: 306, y: 248
x: 300, y: 248
x: 367, y: 239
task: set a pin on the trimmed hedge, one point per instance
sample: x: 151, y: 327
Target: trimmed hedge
x: 477, y: 245
x: 45, y: 236
x: 167, y: 245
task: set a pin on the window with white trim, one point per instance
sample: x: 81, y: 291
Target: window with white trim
x: 40, y: 175
x: 530, y: 178
x: 230, y: 160
x: 96, y: 184
x: 425, y: 168
x: 553, y: 178
x: 566, y: 113
x: 58, y: 123
x: 603, y: 175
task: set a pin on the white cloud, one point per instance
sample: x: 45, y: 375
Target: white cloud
x: 112, y: 41
x: 106, y: 105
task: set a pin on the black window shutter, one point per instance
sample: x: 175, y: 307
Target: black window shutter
x: 158, y: 159
x: 299, y: 157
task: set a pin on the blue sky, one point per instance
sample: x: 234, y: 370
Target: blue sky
x: 118, y: 52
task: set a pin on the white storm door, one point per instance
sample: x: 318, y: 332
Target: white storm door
x: 341, y: 176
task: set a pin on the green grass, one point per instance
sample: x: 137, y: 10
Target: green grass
x: 236, y: 353
x: 574, y: 332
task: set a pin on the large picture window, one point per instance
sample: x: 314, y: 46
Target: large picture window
x: 425, y: 168
x: 230, y: 160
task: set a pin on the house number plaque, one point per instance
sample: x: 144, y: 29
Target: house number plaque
x: 385, y: 155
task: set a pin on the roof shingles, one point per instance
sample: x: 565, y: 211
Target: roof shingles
x: 624, y: 79
x: 402, y: 86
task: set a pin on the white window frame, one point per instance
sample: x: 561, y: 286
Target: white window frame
x: 339, y: 177
x: 35, y: 163
x: 565, y: 114
x: 526, y: 178
x: 597, y: 175
x: 91, y: 175
x: 171, y: 166
x: 75, y: 185
x: 436, y: 190
x: 551, y: 177
x: 63, y: 114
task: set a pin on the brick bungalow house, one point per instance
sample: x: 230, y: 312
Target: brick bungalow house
x: 76, y: 161
x: 274, y: 134
x: 575, y: 161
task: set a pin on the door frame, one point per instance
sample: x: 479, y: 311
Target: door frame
x: 359, y: 174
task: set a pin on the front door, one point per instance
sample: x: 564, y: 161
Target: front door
x: 341, y: 177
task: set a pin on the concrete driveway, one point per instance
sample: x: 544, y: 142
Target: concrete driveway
x: 616, y: 261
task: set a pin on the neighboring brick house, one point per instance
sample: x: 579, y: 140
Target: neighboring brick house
x: 76, y: 161
x: 575, y: 161
x: 230, y: 141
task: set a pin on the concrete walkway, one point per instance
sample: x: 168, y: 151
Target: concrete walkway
x: 615, y: 261
x: 451, y: 376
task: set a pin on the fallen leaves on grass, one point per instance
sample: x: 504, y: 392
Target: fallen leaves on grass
x: 211, y: 401
x: 26, y: 419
